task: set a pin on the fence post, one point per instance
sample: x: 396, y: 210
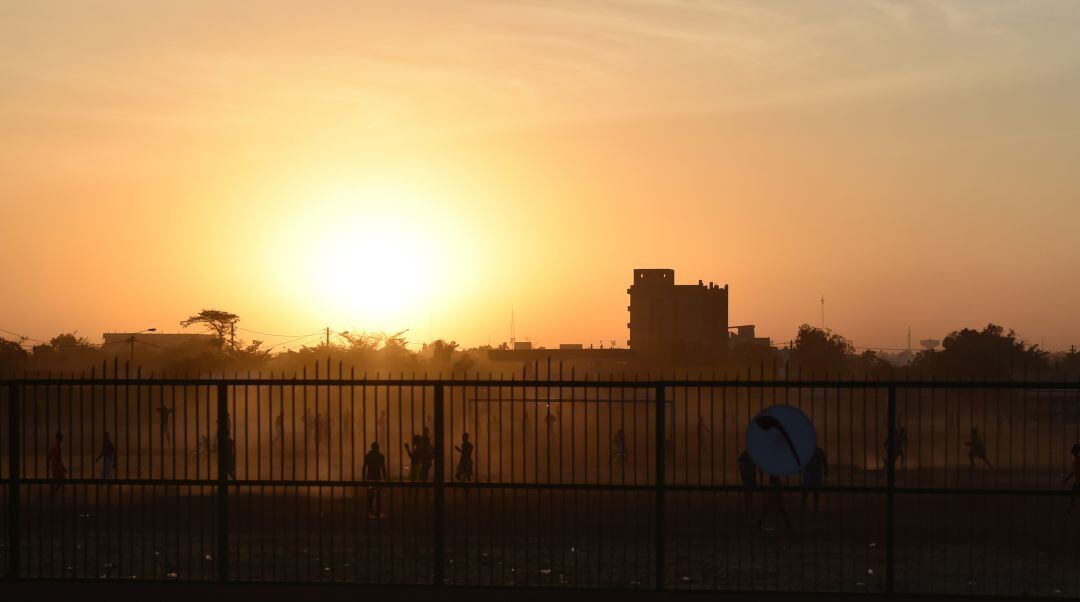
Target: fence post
x: 440, y: 502
x: 225, y: 452
x: 661, y: 485
x: 14, y: 497
x: 890, y: 494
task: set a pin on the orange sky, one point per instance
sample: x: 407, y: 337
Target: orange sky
x: 433, y: 166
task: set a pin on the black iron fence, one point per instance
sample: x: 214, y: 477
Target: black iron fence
x: 565, y: 482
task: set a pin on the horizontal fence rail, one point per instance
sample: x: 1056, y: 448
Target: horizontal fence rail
x: 939, y: 487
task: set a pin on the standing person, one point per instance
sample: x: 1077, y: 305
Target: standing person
x: 228, y: 447
x: 108, y: 457
x: 748, y: 474
x: 901, y: 446
x: 55, y: 463
x: 702, y: 430
x: 618, y: 450
x: 815, y: 473
x: 279, y: 428
x: 1075, y: 476
x: 415, y: 454
x: 428, y: 454
x: 164, y: 412
x: 899, y: 440
x: 775, y: 499
x: 464, y: 470
x: 976, y: 448
x: 374, y: 470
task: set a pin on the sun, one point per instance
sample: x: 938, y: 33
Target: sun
x: 372, y: 258
x: 378, y: 270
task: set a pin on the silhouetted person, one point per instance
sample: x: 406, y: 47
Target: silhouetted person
x: 464, y: 470
x: 164, y: 412
x: 702, y: 428
x: 976, y: 448
x: 428, y: 454
x: 1074, y: 475
x: 748, y: 474
x: 618, y: 450
x: 108, y: 457
x: 815, y: 473
x: 774, y: 499
x: 899, y: 440
x: 374, y: 470
x: 228, y: 447
x: 279, y: 428
x: 416, y: 457
x: 55, y: 462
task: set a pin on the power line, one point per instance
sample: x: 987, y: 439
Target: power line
x: 269, y: 334
x: 24, y: 337
x: 307, y: 336
x: 304, y: 343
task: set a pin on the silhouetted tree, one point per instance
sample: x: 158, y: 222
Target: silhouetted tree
x: 820, y: 352
x: 869, y: 364
x: 66, y: 350
x: 221, y: 323
x: 1069, y: 363
x: 12, y: 356
x: 986, y: 352
x: 441, y: 352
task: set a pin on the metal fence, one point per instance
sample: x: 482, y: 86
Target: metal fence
x: 572, y: 483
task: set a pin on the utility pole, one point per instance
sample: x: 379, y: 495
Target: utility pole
x: 327, y: 337
x: 232, y: 335
x: 823, y: 312
x: 132, y: 341
x: 909, y: 338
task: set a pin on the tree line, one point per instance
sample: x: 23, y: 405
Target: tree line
x: 990, y: 352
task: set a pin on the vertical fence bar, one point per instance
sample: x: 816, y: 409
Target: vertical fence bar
x: 224, y: 452
x: 661, y: 461
x: 440, y: 510
x: 890, y: 508
x: 14, y: 420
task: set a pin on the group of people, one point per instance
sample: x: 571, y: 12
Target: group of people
x: 814, y: 474
x: 421, y: 456
x: 816, y: 471
x: 976, y: 448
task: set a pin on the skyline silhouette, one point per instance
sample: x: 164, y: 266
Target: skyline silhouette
x: 435, y: 168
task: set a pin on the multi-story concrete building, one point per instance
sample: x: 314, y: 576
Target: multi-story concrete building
x: 676, y: 321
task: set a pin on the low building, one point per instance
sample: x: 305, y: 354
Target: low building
x: 161, y: 343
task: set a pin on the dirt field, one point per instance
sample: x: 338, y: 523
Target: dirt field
x: 1016, y: 545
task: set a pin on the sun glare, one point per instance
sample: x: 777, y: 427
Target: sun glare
x: 380, y: 270
x: 374, y: 258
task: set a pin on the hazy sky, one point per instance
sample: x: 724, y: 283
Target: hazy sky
x: 435, y: 165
